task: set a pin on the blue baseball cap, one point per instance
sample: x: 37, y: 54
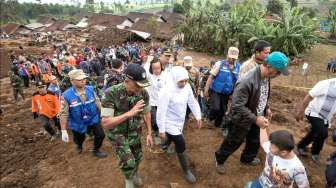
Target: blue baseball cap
x: 278, y: 61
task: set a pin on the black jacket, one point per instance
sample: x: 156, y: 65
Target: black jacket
x: 245, y: 98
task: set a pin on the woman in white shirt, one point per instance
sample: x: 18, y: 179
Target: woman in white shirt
x: 171, y: 113
x: 157, y: 80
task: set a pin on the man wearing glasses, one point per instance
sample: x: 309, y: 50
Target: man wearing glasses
x: 80, y: 112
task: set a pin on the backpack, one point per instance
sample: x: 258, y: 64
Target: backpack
x: 22, y: 72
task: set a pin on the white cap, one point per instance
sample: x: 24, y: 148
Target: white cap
x: 233, y: 53
x: 77, y: 74
x: 187, y: 61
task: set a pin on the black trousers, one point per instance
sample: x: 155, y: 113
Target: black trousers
x: 317, y: 134
x: 98, y: 133
x: 46, y: 124
x: 237, y: 135
x: 218, y: 106
x: 26, y: 81
x: 178, y: 141
x: 153, y: 118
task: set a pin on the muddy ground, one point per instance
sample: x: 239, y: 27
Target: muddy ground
x: 30, y: 159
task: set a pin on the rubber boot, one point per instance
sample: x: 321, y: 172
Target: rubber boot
x: 129, y: 183
x: 137, y: 180
x: 185, y: 167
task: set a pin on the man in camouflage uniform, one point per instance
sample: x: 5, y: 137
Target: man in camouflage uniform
x: 66, y: 68
x: 100, y: 87
x: 17, y: 83
x: 194, y: 75
x: 92, y: 81
x: 65, y: 82
x: 114, y: 75
x: 193, y: 72
x: 122, y: 110
x: 204, y: 75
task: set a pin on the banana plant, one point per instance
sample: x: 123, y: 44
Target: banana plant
x: 332, y: 20
x: 207, y: 28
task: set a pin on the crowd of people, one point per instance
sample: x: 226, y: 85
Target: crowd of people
x: 90, y: 90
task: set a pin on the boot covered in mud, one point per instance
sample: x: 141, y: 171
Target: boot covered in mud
x: 185, y: 167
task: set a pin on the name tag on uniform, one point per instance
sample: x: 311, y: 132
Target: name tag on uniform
x: 107, y: 112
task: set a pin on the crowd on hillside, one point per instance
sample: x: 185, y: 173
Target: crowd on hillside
x: 89, y: 90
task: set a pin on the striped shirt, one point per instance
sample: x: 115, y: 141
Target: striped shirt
x: 247, y: 66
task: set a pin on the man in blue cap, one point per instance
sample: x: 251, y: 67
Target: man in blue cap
x: 250, y: 110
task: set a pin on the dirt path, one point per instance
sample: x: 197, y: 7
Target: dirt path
x: 31, y: 160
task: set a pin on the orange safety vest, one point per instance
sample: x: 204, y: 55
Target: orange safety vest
x: 72, y: 61
x: 47, y: 104
x: 34, y: 69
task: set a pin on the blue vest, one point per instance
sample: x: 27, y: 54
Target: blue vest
x: 81, y: 114
x: 225, y: 80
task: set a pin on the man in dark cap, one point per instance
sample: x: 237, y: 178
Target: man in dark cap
x: 122, y: 109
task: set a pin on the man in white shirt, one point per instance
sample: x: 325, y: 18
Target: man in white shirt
x: 158, y: 81
x: 319, y: 106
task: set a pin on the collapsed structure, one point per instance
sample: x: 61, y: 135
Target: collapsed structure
x: 101, y: 28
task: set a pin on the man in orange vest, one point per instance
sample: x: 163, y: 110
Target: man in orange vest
x: 71, y: 59
x: 46, y: 107
x: 35, y: 72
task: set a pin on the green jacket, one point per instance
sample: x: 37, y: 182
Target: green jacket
x: 16, y: 81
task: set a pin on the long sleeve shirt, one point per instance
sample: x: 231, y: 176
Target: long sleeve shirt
x: 157, y: 83
x: 172, y: 109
